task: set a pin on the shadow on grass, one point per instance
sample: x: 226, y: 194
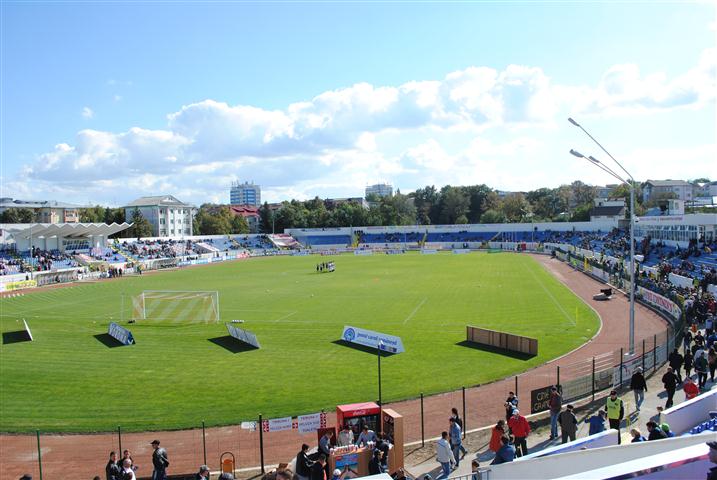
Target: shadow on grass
x: 108, y: 340
x: 363, y: 348
x: 232, y: 344
x: 15, y: 337
x: 499, y: 351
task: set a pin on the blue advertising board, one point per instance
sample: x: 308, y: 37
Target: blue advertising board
x: 120, y: 334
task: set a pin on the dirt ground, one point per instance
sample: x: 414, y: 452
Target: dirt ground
x: 85, y: 455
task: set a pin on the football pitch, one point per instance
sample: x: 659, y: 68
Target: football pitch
x: 178, y: 374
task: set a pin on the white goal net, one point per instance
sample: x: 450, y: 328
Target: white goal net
x: 176, y: 306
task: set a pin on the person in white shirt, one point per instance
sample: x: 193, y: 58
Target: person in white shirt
x: 444, y: 455
x: 127, y: 472
x: 346, y: 437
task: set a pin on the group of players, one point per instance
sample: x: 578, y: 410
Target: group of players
x: 325, y: 267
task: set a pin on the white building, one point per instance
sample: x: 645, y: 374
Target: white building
x: 245, y: 194
x: 608, y: 210
x: 168, y: 216
x: 380, y: 189
x: 45, y: 211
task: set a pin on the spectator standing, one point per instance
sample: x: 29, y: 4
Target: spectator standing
x: 112, y: 470
x: 160, y: 462
x: 346, y: 436
x: 509, y: 407
x: 318, y: 469
x: 676, y: 360
x: 615, y: 412
x: 325, y: 443
x: 670, y: 381
x: 690, y: 388
x: 512, y: 399
x: 638, y: 387
x: 444, y: 455
x: 127, y: 470
x: 521, y: 429
x: 374, y: 465
x: 454, y: 435
x: 568, y: 424
x: 712, y: 362
x: 202, y: 474
x: 303, y: 464
x: 656, y: 433
x: 596, y: 422
x: 506, y: 453
x: 555, y: 404
x: 495, y: 436
x: 459, y: 421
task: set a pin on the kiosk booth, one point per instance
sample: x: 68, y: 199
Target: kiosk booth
x: 368, y: 414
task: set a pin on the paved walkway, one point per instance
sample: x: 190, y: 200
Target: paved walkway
x: 85, y: 455
x: 476, y: 443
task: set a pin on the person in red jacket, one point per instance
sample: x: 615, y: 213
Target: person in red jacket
x: 496, y: 434
x: 521, y: 429
x: 691, y: 390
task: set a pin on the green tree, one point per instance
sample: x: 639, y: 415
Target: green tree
x: 581, y: 213
x: 479, y: 201
x: 265, y: 218
x: 92, y: 214
x: 454, y: 204
x: 239, y: 225
x: 492, y: 216
x: 141, y: 227
x: 426, y: 200
x: 515, y: 207
x: 17, y: 215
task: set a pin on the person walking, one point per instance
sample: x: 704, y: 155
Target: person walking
x: 303, y: 463
x: 568, y: 424
x: 521, y: 429
x: 454, y: 434
x: 444, y: 455
x: 160, y: 462
x: 454, y: 414
x: 712, y: 362
x: 670, y: 381
x: 676, y: 360
x: 638, y: 387
x: 701, y: 368
x: 615, y: 412
x: 555, y: 404
x: 688, y: 360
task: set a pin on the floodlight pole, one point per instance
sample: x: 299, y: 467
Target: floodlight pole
x: 631, y: 184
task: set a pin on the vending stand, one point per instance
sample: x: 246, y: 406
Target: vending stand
x: 369, y: 414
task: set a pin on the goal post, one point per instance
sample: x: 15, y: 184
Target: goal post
x: 176, y: 306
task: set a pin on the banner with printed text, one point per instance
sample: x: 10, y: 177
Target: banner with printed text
x: 659, y: 302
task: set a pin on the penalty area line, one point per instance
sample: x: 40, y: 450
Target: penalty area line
x: 410, y: 315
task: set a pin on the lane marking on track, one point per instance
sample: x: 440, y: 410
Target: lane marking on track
x: 410, y: 315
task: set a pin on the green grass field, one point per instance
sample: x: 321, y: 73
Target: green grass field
x: 174, y: 377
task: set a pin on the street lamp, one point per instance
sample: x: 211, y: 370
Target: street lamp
x: 630, y: 184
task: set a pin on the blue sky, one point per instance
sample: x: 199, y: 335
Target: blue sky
x: 106, y: 101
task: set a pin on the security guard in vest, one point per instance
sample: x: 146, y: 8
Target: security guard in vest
x: 615, y: 412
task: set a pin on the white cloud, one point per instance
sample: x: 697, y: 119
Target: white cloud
x: 477, y: 125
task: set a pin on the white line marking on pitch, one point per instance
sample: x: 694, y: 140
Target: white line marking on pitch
x: 285, y: 316
x: 410, y: 315
x: 571, y: 320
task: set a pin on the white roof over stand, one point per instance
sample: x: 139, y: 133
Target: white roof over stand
x: 73, y: 230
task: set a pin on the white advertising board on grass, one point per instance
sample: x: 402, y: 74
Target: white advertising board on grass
x: 27, y: 329
x: 243, y: 335
x: 369, y: 338
x: 120, y: 334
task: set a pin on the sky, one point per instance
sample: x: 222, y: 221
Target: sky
x: 104, y: 102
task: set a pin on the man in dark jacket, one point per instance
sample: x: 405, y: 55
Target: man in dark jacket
x: 318, y: 469
x: 676, y: 360
x: 113, y: 471
x: 656, y: 433
x: 555, y: 404
x: 160, y: 462
x: 303, y: 464
x: 568, y: 424
x: 670, y: 381
x: 638, y: 387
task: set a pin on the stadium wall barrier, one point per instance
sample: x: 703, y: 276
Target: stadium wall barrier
x: 580, y: 461
x: 684, y: 416
x: 504, y: 340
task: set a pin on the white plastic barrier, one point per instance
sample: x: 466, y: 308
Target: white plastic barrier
x: 602, y: 439
x: 581, y: 461
x: 686, y: 415
x: 680, y: 281
x: 689, y: 463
